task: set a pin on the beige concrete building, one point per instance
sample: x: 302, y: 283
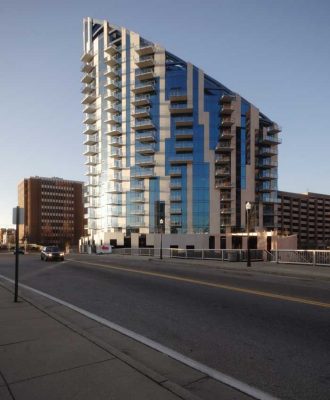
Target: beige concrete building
x: 168, y: 148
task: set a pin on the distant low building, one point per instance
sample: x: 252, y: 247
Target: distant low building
x: 306, y: 215
x: 53, y: 211
x: 8, y: 236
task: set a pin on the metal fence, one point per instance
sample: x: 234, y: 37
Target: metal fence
x: 311, y: 257
x: 199, y: 254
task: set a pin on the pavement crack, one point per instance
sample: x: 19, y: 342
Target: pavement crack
x: 7, y: 385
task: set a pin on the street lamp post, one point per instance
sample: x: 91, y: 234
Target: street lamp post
x: 248, y: 207
x: 161, y: 222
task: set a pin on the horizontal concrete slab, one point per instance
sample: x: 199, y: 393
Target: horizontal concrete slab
x: 102, y: 381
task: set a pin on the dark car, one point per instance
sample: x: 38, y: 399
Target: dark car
x: 20, y: 251
x: 51, y: 253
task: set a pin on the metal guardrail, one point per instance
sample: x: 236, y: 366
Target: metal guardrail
x: 198, y: 254
x: 309, y: 257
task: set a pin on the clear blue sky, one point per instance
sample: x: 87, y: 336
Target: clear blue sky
x: 274, y: 53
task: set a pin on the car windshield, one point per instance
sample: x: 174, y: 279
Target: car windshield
x: 52, y: 248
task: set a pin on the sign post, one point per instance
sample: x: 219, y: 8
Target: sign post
x: 18, y: 218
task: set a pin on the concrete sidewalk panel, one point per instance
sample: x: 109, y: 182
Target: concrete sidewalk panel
x: 28, y: 328
x: 153, y: 359
x: 55, y: 352
x: 102, y: 381
x: 12, y: 314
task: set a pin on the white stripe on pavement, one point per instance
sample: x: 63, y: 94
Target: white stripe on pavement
x: 217, y: 375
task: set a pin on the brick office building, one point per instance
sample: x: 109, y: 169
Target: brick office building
x: 306, y: 215
x: 53, y: 210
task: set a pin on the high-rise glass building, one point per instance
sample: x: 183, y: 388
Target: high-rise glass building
x: 168, y: 148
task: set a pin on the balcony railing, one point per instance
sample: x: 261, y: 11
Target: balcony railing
x: 143, y: 124
x: 145, y: 73
x: 145, y: 161
x: 141, y: 112
x: 112, y: 49
x: 137, y: 186
x: 112, y: 72
x: 222, y: 159
x: 90, y: 129
x: 145, y: 61
x: 178, y: 95
x: 144, y: 87
x: 145, y: 173
x: 114, y: 130
x: 175, y: 172
x: 145, y: 148
x: 91, y: 139
x: 88, y: 78
x: 181, y: 159
x: 141, y: 100
x: 148, y: 136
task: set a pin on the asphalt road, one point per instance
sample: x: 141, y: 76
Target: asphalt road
x: 261, y: 329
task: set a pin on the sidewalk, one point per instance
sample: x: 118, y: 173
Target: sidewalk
x: 48, y: 351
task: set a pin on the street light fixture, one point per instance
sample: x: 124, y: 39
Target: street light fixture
x: 161, y: 223
x: 248, y: 207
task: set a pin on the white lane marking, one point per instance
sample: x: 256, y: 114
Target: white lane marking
x: 217, y: 375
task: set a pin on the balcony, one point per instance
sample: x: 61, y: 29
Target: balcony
x: 267, y: 186
x: 146, y: 149
x: 226, y: 134
x: 224, y: 147
x: 90, y: 129
x: 91, y: 151
x: 226, y: 122
x: 223, y: 184
x: 113, y: 61
x: 222, y: 159
x: 145, y: 74
x: 267, y: 163
x: 184, y: 121
x: 266, y: 198
x: 93, y: 192
x: 225, y: 197
x: 113, y: 84
x: 112, y: 49
x: 143, y: 174
x: 87, y: 56
x: 226, y: 109
x: 115, y: 164
x: 181, y: 159
x: 184, y: 146
x: 180, y: 108
x: 222, y: 172
x: 92, y: 161
x: 175, y: 210
x: 141, y: 100
x: 90, y: 108
x: 114, y: 130
x: 145, y: 50
x: 143, y: 124
x: 88, y: 78
x: 89, y: 119
x: 178, y: 95
x: 88, y: 88
x: 175, y: 199
x: 143, y: 112
x: 267, y: 151
x: 147, y: 161
x: 112, y: 72
x: 87, y: 67
x: 270, y: 140
x: 113, y: 119
x: 226, y: 210
x: 114, y: 108
x: 267, y: 175
x: 175, y: 185
x: 94, y: 182
x: 116, y: 176
x: 116, y: 141
x: 116, y: 153
x: 92, y: 171
x: 227, y: 98
x: 184, y: 134
x: 137, y: 211
x: 176, y: 223
x: 137, y: 186
x: 91, y: 139
x: 138, y: 199
x: 175, y: 172
x: 144, y: 87
x: 145, y: 61
x: 144, y: 137
x: 225, y: 221
x: 273, y: 129
x: 89, y: 98
x: 112, y: 96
